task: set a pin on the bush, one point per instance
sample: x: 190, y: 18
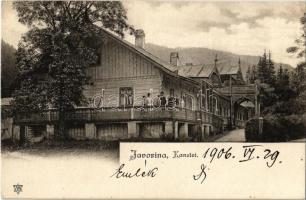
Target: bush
x: 294, y: 126
x: 273, y: 130
x: 251, y: 130
x: 166, y: 137
x: 276, y: 128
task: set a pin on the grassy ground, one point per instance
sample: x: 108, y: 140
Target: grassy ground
x: 86, y: 145
x: 67, y: 147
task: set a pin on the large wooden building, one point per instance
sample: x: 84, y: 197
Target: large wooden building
x: 126, y: 96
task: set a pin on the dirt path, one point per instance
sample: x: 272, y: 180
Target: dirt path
x: 236, y: 135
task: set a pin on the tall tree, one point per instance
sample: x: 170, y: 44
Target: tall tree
x: 299, y: 75
x: 63, y: 39
x: 262, y: 68
x: 8, y: 68
x: 265, y: 69
x: 282, y: 85
x: 271, y: 71
x: 265, y: 73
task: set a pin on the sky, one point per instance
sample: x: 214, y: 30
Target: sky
x: 245, y: 28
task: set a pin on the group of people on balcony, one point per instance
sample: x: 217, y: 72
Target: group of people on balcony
x: 160, y: 101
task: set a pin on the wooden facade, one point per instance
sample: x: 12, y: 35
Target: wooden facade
x: 124, y: 75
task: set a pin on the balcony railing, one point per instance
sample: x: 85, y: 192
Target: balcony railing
x: 121, y: 114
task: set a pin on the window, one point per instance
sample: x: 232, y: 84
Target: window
x: 188, y: 102
x: 126, y: 96
x: 203, y: 100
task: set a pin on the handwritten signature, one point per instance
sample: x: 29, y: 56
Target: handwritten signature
x: 121, y: 172
x: 202, y: 174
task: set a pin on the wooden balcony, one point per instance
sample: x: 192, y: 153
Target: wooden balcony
x: 121, y: 114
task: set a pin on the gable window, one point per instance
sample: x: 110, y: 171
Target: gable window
x: 126, y: 96
x: 215, y: 79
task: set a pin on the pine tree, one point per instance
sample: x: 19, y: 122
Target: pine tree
x: 271, y: 71
x: 254, y: 76
x: 279, y: 73
x: 262, y: 69
x: 265, y: 70
x: 266, y: 75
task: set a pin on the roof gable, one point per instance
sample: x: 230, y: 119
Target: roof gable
x: 197, y: 71
x: 168, y: 68
x: 226, y: 69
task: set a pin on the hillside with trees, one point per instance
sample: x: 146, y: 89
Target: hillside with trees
x: 202, y: 55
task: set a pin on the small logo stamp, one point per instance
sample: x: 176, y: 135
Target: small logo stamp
x: 17, y: 188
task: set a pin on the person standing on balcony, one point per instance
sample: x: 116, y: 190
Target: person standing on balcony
x: 171, y: 102
x: 163, y: 100
x: 149, y: 101
x: 144, y: 103
x: 156, y: 102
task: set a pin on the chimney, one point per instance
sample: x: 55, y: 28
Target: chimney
x: 140, y: 38
x: 174, y: 58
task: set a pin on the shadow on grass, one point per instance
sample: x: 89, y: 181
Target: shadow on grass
x: 57, y: 145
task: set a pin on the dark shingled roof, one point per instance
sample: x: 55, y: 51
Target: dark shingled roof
x: 205, y: 70
x: 225, y: 68
x: 196, y: 70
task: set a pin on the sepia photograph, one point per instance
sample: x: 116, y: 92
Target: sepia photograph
x: 81, y: 78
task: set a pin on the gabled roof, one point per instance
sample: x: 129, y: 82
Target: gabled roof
x: 227, y: 69
x: 163, y: 65
x: 160, y: 63
x: 196, y: 71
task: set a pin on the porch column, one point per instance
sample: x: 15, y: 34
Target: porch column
x: 213, y: 130
x: 90, y: 130
x: 175, y: 128
x: 183, y: 130
x: 207, y: 130
x: 132, y: 129
x: 203, y: 132
x: 50, y: 131
x: 16, y: 132
x: 169, y: 127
